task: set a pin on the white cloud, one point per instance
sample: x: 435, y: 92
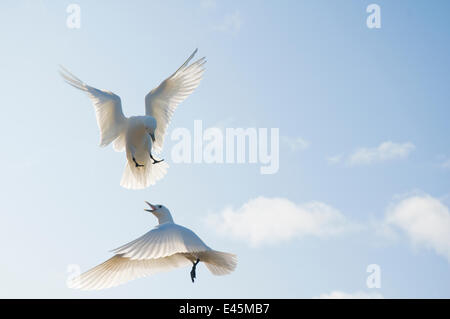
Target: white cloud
x: 425, y: 220
x: 295, y: 143
x: 384, y: 152
x: 231, y: 23
x: 356, y: 295
x: 272, y: 220
x: 335, y: 159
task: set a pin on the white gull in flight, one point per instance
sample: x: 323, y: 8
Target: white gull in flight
x: 139, y: 135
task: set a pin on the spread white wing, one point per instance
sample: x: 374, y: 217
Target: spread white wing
x: 108, y: 110
x: 165, y: 247
x: 118, y: 270
x: 162, y: 241
x: 162, y: 101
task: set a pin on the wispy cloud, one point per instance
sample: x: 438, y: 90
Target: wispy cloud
x: 231, y: 23
x: 356, y: 295
x: 335, y: 159
x: 295, y: 143
x: 424, y: 220
x: 273, y: 220
x: 386, y: 151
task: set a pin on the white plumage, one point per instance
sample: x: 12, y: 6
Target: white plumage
x: 162, y: 101
x: 165, y: 247
x: 139, y: 135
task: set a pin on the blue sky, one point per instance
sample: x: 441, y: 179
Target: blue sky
x: 374, y: 100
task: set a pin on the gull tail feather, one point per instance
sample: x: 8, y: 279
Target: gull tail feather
x: 219, y: 263
x: 142, y: 177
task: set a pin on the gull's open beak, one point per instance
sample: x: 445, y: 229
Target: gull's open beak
x: 153, y: 208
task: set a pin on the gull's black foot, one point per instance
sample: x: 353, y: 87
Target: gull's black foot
x: 137, y: 165
x: 157, y: 161
x: 193, y: 274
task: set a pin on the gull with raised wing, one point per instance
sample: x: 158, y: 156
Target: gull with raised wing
x: 165, y: 247
x: 140, y: 135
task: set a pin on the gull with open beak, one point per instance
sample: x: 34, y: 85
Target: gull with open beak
x: 140, y: 135
x: 165, y: 247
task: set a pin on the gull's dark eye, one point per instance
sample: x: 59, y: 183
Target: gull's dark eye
x: 159, y: 206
